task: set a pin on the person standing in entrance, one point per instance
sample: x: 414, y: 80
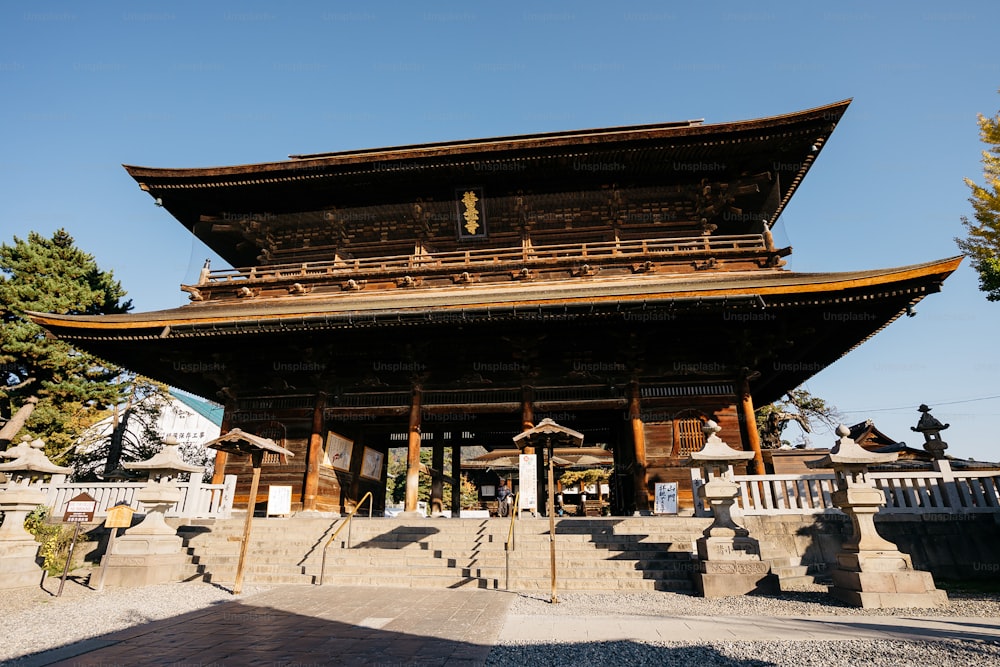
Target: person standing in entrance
x: 504, y: 498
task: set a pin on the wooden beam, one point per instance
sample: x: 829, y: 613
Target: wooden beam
x: 750, y: 422
x: 437, y: 481
x: 219, y: 469
x: 413, y: 453
x: 639, y: 442
x: 310, y: 488
x: 456, y: 479
x: 527, y: 413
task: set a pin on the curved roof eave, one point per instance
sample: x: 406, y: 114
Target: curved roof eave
x: 542, y: 294
x: 830, y: 113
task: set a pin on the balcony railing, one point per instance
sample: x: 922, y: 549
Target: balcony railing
x: 497, y: 258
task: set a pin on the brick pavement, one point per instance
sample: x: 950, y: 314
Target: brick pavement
x: 299, y: 626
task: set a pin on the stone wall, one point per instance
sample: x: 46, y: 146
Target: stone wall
x: 950, y: 546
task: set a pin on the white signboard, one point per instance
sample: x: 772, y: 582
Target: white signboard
x: 666, y: 498
x: 279, y: 500
x: 528, y: 470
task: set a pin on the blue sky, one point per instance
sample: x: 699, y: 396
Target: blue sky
x: 187, y: 84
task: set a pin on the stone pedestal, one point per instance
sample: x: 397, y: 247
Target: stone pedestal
x: 729, y: 559
x: 18, y: 548
x: 871, y: 572
x: 150, y: 552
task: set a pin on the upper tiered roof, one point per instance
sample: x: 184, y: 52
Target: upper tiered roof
x: 647, y: 181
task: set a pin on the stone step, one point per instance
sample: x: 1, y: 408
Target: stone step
x: 229, y: 577
x: 529, y: 572
x: 598, y: 554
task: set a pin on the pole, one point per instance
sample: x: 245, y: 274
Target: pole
x: 413, y: 455
x: 750, y: 422
x: 550, y: 508
x: 257, y: 458
x: 640, y: 480
x: 69, y: 559
x: 106, y: 558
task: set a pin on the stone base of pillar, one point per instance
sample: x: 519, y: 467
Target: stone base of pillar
x: 744, y: 577
x: 145, y: 559
x: 883, y: 579
x: 20, y: 567
x: 144, y: 569
x: 732, y: 566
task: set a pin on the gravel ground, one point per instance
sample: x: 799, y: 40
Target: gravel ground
x: 815, y: 602
x: 859, y: 653
x: 35, y: 620
x: 807, y: 602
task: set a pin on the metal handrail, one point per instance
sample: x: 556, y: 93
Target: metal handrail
x: 509, y: 545
x: 347, y: 522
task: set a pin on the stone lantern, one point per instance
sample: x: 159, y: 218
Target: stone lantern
x: 931, y: 428
x: 151, y: 551
x: 870, y: 572
x: 18, y: 548
x: 729, y: 559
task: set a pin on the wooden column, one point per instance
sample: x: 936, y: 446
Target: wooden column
x: 750, y: 422
x: 437, y: 479
x: 219, y: 469
x: 413, y: 453
x: 456, y: 479
x: 528, y: 423
x: 310, y: 487
x: 639, y: 442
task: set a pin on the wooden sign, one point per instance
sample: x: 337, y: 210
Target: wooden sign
x: 665, y: 500
x: 279, y: 500
x: 119, y: 516
x: 80, y: 509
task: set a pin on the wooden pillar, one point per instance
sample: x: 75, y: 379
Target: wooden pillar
x: 456, y: 479
x: 528, y: 413
x: 310, y: 487
x: 528, y: 423
x: 437, y: 479
x: 413, y: 453
x: 639, y: 442
x: 219, y: 469
x: 750, y: 422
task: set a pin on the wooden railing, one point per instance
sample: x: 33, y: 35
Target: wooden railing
x: 941, y: 492
x: 495, y: 258
x: 198, y: 500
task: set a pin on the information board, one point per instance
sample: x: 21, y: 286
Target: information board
x: 119, y: 516
x: 666, y: 498
x: 80, y: 509
x: 279, y: 500
x: 528, y: 488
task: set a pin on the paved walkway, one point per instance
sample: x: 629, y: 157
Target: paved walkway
x: 296, y: 626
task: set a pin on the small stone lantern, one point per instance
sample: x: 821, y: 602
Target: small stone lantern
x: 931, y: 428
x: 870, y: 572
x: 729, y: 559
x: 151, y: 551
x: 18, y: 548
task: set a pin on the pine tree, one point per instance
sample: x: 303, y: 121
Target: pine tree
x: 799, y: 406
x: 982, y: 244
x: 73, y: 388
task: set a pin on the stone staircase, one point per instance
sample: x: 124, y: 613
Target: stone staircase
x: 641, y: 553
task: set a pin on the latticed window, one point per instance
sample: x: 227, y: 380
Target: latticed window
x: 688, y: 434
